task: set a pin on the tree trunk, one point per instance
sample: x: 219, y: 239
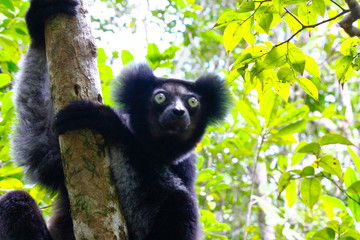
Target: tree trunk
x: 73, y: 73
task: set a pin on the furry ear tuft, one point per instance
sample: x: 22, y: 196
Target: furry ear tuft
x: 132, y: 86
x: 215, y: 96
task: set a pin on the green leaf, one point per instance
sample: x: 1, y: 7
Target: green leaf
x: 11, y: 183
x: 275, y: 58
x: 246, y: 31
x: 334, y: 225
x: 310, y: 148
x: 319, y: 7
x: 297, y: 157
x: 291, y: 193
x: 285, y: 74
x: 349, y: 176
x: 284, y: 181
x: 294, y: 25
x: 249, y: 115
x: 126, y: 57
x: 348, y: 47
x: 4, y: 79
x: 307, y: 171
x: 310, y: 190
x: 331, y: 165
x: 232, y: 36
x: 324, y: 234
x: 9, y: 169
x: 230, y: 17
x: 38, y: 193
x: 354, y: 192
x: 282, y: 88
x: 330, y: 203
x: 293, y: 128
x: 269, y: 104
x: 101, y: 56
x: 334, y: 139
x: 312, y: 67
x: 355, y: 159
x: 309, y: 87
x: 307, y: 15
x: 265, y: 22
x: 297, y: 59
x: 351, y: 233
x: 8, y: 4
x: 246, y: 6
x: 342, y: 66
x: 290, y: 2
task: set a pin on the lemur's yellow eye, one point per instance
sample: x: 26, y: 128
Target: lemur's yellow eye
x: 160, y: 98
x: 193, y: 102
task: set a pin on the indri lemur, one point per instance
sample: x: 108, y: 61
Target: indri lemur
x: 160, y: 122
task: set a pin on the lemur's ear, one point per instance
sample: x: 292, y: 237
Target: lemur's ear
x: 215, y: 97
x: 132, y: 86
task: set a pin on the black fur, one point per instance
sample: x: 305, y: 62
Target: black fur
x: 21, y: 217
x: 149, y: 141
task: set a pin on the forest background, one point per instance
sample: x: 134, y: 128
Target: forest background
x: 285, y: 164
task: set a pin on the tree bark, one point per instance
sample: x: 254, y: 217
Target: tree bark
x: 73, y: 73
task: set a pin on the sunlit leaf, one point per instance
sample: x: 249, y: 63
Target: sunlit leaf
x: 38, y: 193
x: 232, y: 36
x: 246, y: 6
x: 331, y: 165
x: 230, y: 17
x: 348, y: 47
x: 334, y: 139
x: 354, y: 192
x: 11, y: 183
x: 293, y: 128
x: 319, y: 7
x: 310, y: 190
x: 307, y: 15
x: 246, y: 31
x: 310, y: 148
x: 126, y: 57
x: 249, y: 115
x: 269, y: 103
x: 282, y: 88
x: 294, y: 25
x: 275, y: 58
x: 324, y: 234
x: 309, y: 87
x: 312, y: 67
x: 291, y: 193
x: 4, y: 79
x: 8, y: 4
x: 342, y: 66
x: 330, y: 203
x: 355, y: 159
x: 285, y: 74
x: 349, y: 176
x: 284, y: 181
x: 307, y: 171
x: 297, y: 59
x: 265, y: 22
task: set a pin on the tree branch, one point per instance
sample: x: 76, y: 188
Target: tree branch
x: 347, y: 22
x: 310, y: 26
x: 71, y: 55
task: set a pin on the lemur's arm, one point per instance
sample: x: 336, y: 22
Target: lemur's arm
x: 35, y: 142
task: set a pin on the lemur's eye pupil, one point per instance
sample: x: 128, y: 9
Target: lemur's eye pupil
x: 193, y: 102
x: 160, y: 98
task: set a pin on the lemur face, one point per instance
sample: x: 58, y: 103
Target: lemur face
x: 174, y: 110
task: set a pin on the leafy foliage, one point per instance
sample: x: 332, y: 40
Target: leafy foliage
x: 285, y: 164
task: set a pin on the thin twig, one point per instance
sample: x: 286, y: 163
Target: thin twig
x: 259, y: 144
x: 340, y: 188
x: 311, y: 26
x: 338, y: 5
x: 286, y: 10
